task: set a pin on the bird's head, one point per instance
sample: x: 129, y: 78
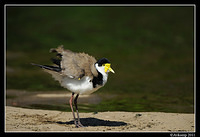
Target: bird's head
x: 103, y: 66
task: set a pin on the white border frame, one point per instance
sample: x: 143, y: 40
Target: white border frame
x: 99, y: 5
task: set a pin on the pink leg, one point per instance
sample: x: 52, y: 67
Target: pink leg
x: 75, y: 103
x: 70, y: 102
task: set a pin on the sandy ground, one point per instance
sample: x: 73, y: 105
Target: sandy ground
x: 20, y: 119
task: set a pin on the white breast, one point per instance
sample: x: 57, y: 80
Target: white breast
x: 82, y: 86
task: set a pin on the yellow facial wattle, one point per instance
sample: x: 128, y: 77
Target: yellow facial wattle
x: 107, y: 67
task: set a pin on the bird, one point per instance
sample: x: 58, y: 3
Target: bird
x: 80, y: 73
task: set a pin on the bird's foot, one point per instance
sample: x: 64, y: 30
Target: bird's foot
x: 78, y: 124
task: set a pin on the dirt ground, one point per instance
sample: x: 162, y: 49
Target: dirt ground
x: 32, y: 120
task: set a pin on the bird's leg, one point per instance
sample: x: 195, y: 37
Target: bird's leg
x: 70, y: 102
x: 75, y: 103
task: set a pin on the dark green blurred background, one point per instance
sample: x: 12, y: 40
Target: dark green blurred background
x: 151, y: 50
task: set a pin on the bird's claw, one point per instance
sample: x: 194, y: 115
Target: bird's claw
x: 78, y: 124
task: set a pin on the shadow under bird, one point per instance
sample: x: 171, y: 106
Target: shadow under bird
x: 78, y: 72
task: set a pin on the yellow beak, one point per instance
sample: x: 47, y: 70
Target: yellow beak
x: 111, y: 70
x: 107, y: 67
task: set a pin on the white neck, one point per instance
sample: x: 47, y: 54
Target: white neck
x: 101, y: 70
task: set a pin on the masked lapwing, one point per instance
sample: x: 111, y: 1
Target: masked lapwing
x: 80, y: 73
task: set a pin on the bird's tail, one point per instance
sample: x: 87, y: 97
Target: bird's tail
x: 53, y: 68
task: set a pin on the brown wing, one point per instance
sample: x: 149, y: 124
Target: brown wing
x: 76, y: 65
